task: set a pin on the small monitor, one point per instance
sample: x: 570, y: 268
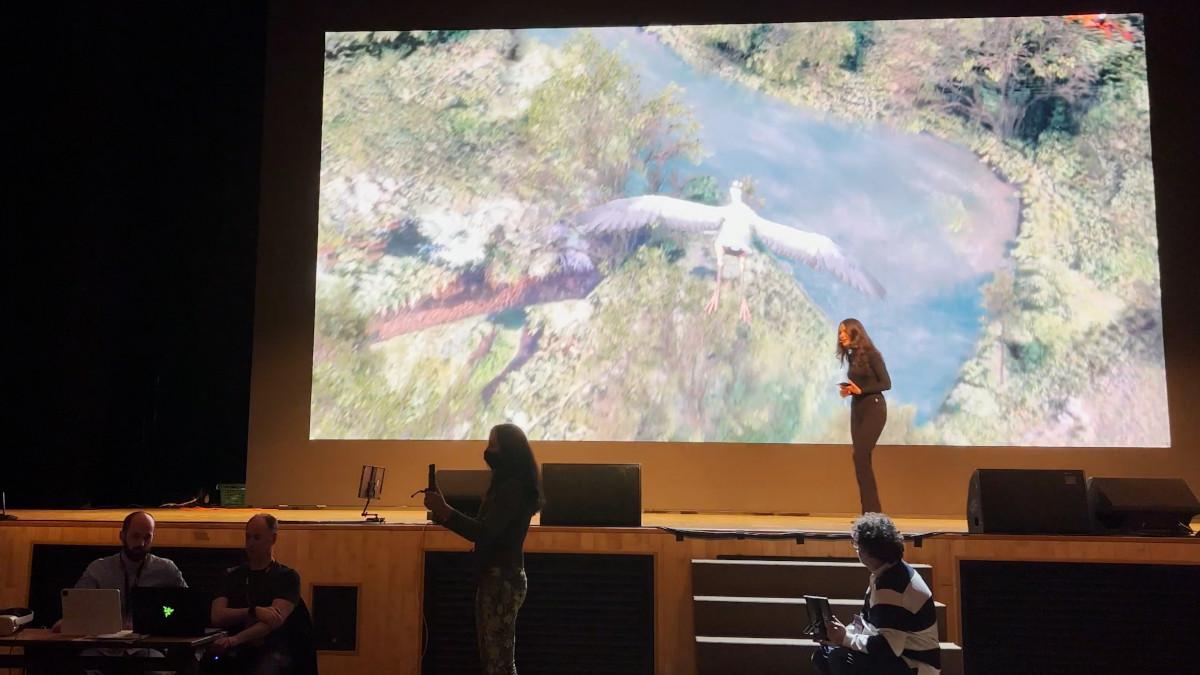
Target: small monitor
x: 820, y: 617
x: 370, y: 485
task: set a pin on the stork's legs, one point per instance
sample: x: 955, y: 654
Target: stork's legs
x: 744, y: 311
x: 716, y: 296
x: 715, y: 300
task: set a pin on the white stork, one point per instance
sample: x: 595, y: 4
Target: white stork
x: 737, y: 226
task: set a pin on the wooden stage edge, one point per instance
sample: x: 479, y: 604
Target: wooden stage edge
x: 387, y: 561
x: 408, y: 518
x: 339, y: 517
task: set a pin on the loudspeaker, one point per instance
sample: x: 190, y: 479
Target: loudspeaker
x: 592, y: 495
x: 1162, y: 506
x: 1028, y: 501
x: 463, y: 489
x: 335, y: 618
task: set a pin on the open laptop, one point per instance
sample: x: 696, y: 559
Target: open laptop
x: 91, y: 611
x: 177, y: 612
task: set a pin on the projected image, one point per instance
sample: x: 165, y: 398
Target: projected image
x: 653, y: 233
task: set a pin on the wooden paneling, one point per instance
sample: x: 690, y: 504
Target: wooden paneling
x: 387, y: 562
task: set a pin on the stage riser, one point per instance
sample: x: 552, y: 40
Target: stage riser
x: 770, y: 618
x: 793, y: 658
x: 784, y: 579
x: 387, y: 564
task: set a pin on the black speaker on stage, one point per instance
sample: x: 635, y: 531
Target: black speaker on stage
x: 463, y: 488
x: 1028, y: 501
x: 592, y: 495
x: 1152, y: 506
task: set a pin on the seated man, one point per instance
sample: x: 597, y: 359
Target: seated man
x: 134, y: 566
x: 897, y: 632
x: 260, y: 606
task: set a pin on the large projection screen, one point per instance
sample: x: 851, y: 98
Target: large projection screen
x: 637, y: 242
x: 650, y: 234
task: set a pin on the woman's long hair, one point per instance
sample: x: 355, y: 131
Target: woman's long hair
x: 860, y: 343
x: 517, y: 462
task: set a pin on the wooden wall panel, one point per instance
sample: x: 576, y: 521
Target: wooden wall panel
x: 387, y: 562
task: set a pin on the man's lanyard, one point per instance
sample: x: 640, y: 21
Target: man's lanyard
x: 266, y: 570
x: 126, y: 588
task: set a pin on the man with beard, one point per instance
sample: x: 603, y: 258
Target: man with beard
x: 134, y: 566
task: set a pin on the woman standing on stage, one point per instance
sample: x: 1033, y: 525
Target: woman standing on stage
x: 513, y: 496
x: 867, y: 380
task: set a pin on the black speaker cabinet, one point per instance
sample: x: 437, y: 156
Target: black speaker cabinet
x: 1028, y: 501
x: 592, y: 495
x: 1162, y: 506
x: 463, y: 488
x: 335, y: 618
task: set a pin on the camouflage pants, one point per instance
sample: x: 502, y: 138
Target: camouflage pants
x: 498, y: 598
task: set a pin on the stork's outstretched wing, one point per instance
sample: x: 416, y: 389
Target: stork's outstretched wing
x: 817, y: 251
x: 634, y: 212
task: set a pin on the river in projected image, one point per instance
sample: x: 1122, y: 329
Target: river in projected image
x: 652, y: 234
x: 920, y: 215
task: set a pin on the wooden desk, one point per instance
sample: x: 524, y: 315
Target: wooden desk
x: 45, y: 650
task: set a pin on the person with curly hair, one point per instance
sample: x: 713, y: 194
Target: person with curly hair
x: 897, y: 631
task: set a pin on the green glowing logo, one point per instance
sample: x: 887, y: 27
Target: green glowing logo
x: 168, y: 611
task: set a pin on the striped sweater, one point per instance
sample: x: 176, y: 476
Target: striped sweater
x: 899, y: 617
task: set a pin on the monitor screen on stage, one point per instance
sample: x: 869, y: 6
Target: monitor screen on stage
x: 654, y: 233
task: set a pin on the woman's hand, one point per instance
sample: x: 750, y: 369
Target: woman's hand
x: 850, y: 389
x: 437, y: 506
x: 836, y: 632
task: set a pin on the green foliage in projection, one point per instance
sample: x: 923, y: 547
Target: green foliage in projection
x: 457, y: 133
x: 703, y: 189
x: 1062, y: 112
x: 589, y: 128
x: 353, y: 44
x: 785, y: 53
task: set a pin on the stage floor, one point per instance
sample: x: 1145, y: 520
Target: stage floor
x: 416, y: 517
x: 826, y: 525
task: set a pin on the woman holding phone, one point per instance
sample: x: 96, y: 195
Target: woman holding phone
x: 513, y: 496
x: 867, y: 379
